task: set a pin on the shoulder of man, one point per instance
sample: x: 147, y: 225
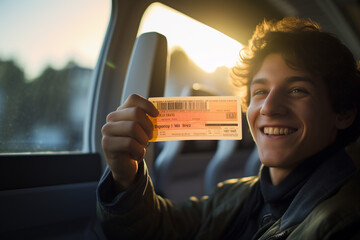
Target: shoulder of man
x: 337, y: 217
x: 236, y: 189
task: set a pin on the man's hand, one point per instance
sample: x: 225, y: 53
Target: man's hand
x: 125, y: 135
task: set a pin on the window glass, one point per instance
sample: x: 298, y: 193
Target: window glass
x: 48, y: 50
x: 200, y: 56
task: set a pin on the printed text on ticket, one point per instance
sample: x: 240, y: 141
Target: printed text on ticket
x: 197, y: 118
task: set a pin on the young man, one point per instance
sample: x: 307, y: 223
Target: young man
x: 303, y: 109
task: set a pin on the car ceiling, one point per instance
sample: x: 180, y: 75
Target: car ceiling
x: 238, y: 18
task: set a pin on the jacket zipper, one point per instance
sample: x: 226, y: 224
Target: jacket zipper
x: 277, y: 236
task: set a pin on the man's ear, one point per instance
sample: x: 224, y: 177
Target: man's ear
x: 345, y: 118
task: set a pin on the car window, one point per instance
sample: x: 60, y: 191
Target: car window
x: 200, y: 56
x: 48, y: 50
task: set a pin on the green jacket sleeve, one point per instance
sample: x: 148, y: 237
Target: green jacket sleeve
x: 139, y: 213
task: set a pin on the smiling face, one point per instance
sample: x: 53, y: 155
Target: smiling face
x: 290, y: 116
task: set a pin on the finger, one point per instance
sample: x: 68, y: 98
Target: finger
x: 126, y: 129
x: 134, y: 114
x: 144, y: 104
x: 115, y: 145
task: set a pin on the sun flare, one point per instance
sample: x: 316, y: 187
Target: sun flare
x: 207, y: 47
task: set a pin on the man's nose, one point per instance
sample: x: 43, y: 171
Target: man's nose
x: 274, y: 104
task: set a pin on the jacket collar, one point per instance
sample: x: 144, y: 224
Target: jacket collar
x: 326, y: 179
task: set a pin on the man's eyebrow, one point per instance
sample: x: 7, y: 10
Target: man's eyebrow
x: 291, y: 79
x: 301, y: 79
x: 258, y: 81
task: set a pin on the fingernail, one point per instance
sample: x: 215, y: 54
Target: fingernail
x: 143, y: 155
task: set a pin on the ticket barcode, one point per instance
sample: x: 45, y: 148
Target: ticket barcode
x: 183, y: 105
x: 197, y: 118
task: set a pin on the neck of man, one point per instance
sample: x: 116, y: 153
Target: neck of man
x: 309, y: 164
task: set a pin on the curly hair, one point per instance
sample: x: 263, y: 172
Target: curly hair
x: 304, y: 46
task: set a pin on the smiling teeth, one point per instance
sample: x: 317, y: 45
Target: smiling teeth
x: 277, y: 131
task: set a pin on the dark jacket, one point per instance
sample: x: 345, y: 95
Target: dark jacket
x: 324, y: 208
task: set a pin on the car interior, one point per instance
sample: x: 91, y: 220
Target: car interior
x: 51, y: 194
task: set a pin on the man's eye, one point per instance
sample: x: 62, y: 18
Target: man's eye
x: 259, y: 92
x: 298, y: 91
x: 295, y: 90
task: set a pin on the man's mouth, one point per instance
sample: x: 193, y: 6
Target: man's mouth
x: 277, y: 131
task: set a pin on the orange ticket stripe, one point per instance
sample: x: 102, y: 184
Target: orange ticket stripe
x: 197, y: 118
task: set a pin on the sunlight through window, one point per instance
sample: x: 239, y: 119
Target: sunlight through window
x: 207, y: 47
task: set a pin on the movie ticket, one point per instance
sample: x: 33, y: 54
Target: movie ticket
x: 197, y: 118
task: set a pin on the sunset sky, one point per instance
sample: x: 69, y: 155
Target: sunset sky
x: 38, y: 33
